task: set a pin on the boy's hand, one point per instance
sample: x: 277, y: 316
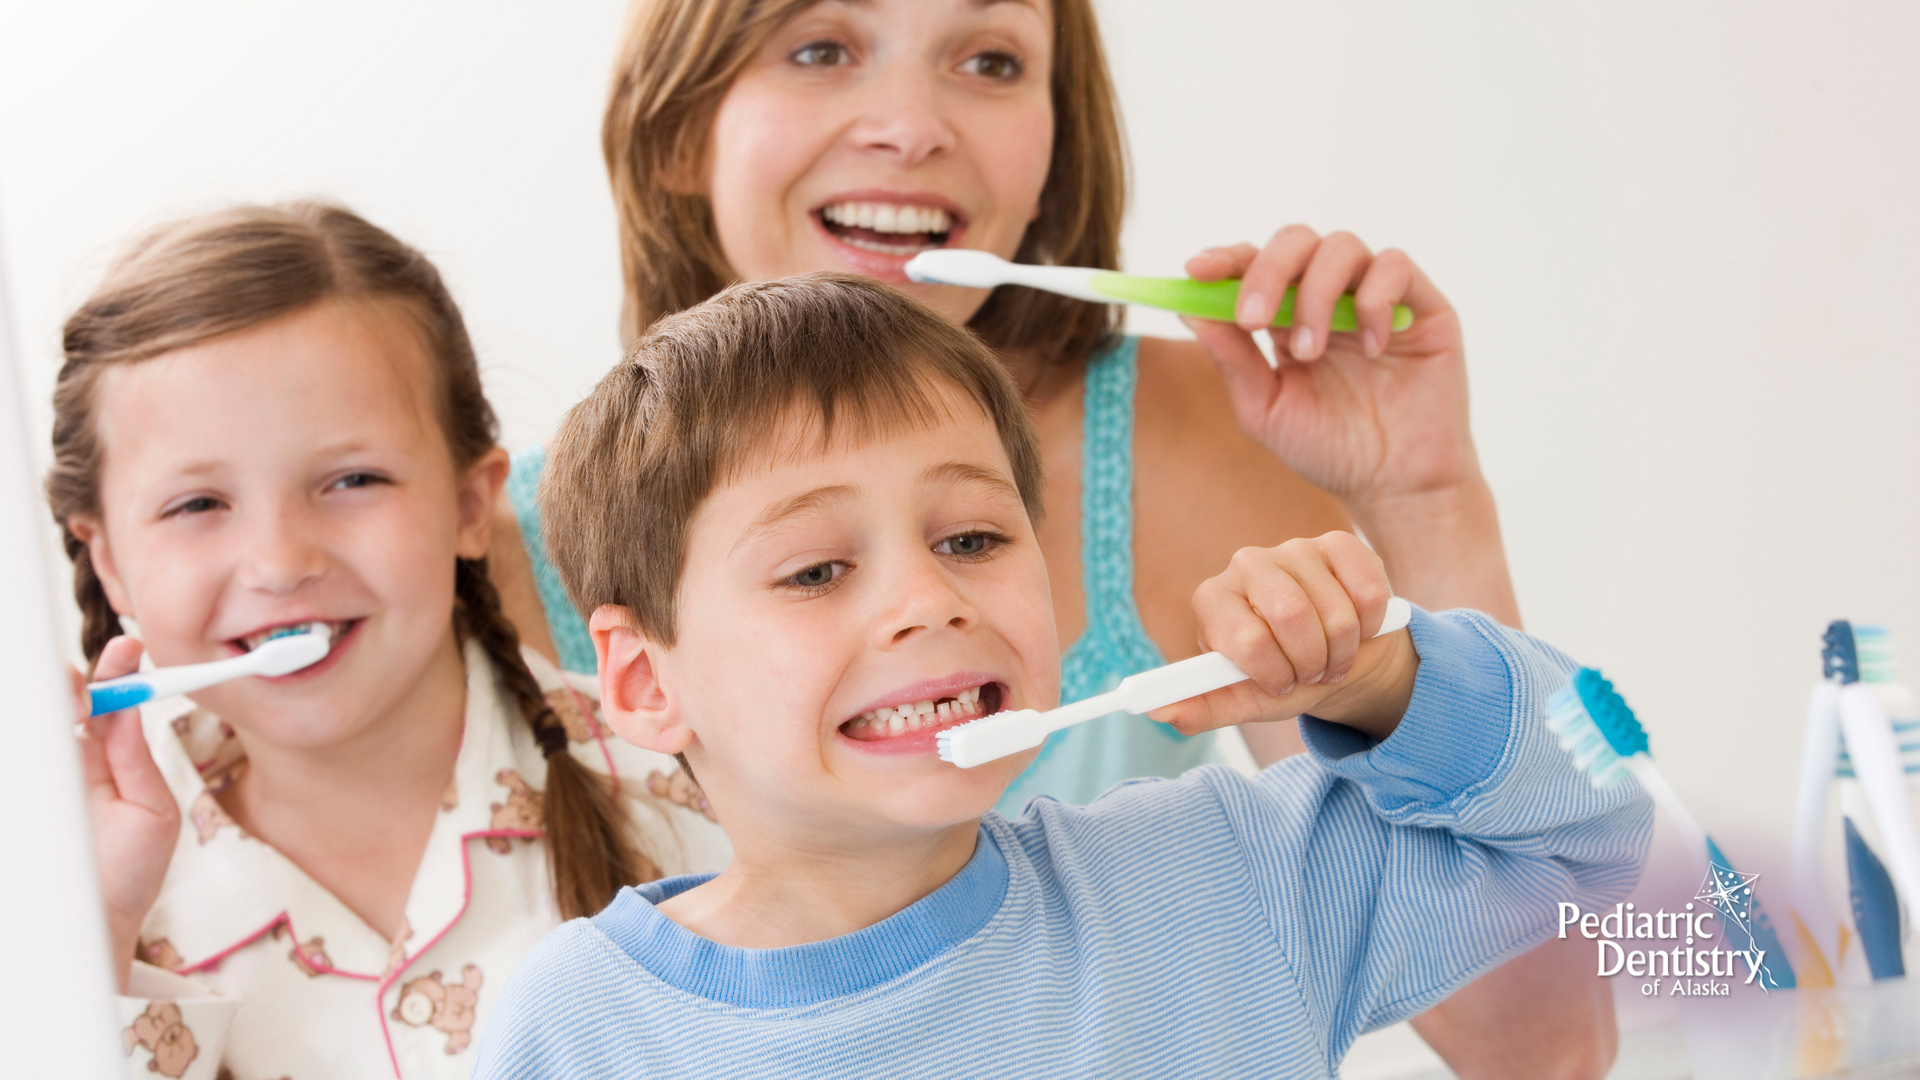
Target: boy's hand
x: 136, y: 822
x: 1299, y: 619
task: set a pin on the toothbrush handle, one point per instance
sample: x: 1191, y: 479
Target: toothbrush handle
x: 1149, y: 690
x: 1876, y: 761
x: 127, y: 691
x: 1217, y: 300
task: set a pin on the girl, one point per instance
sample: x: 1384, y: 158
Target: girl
x: 761, y: 139
x: 272, y: 417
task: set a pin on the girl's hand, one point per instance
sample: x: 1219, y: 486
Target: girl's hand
x: 136, y: 822
x: 1299, y: 619
x: 1369, y: 415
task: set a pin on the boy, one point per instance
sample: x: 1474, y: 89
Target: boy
x: 801, y: 516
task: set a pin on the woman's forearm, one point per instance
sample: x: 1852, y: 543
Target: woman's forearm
x: 1443, y: 549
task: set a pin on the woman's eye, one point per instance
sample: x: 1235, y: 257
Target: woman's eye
x: 818, y: 576
x: 968, y: 545
x: 822, y: 54
x: 998, y: 66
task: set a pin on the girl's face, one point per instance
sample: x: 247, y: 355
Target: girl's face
x: 866, y: 131
x: 294, y: 472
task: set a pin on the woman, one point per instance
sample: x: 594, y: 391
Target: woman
x: 756, y: 140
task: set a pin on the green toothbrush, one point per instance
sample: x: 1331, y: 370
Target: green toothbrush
x: 1206, y: 299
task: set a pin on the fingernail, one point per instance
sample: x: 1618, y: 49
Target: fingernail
x: 1336, y: 678
x: 1371, y: 342
x: 1288, y: 689
x: 1248, y: 310
x: 1302, y: 343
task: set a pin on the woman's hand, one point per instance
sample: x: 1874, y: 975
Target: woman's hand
x: 1299, y: 619
x: 136, y: 822
x: 1378, y: 419
x: 1367, y: 414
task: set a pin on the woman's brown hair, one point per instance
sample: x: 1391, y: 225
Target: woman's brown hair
x: 220, y: 273
x: 677, y: 59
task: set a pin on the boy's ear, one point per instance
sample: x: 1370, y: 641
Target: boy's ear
x: 637, y: 702
x: 92, y: 533
x: 479, y: 494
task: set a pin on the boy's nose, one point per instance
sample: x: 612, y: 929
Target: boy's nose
x: 901, y: 115
x: 920, y: 598
x: 281, y: 554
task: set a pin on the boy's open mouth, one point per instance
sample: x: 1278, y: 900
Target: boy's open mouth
x: 924, y: 718
x: 897, y: 229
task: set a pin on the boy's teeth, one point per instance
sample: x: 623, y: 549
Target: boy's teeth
x: 898, y: 719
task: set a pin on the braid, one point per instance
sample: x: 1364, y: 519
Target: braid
x: 589, y: 843
x: 99, y: 622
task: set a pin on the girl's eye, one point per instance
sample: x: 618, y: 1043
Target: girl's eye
x: 969, y: 545
x: 822, y: 54
x: 818, y: 576
x: 998, y: 66
x: 357, y: 480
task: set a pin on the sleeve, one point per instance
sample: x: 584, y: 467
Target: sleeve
x: 172, y: 1026
x: 1393, y: 871
x: 569, y: 630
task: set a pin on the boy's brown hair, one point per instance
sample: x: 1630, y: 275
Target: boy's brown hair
x: 704, y: 389
x: 678, y: 58
x: 220, y: 273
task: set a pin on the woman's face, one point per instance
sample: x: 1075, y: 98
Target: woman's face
x: 866, y: 131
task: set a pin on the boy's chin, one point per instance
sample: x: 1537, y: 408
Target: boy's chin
x: 948, y: 795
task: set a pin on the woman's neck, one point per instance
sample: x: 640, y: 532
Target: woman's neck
x: 775, y: 894
x: 356, y: 815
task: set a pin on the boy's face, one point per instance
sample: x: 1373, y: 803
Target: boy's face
x: 829, y: 590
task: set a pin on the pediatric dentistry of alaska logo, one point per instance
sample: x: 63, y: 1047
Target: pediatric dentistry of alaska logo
x: 1725, y: 896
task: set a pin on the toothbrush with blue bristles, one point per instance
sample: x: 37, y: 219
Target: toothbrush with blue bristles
x: 1607, y: 743
x: 1214, y: 300
x: 285, y: 651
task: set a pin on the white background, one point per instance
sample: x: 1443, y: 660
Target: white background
x: 1682, y: 238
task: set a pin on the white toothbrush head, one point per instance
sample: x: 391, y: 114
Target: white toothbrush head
x: 991, y: 737
x: 292, y: 648
x: 958, y: 266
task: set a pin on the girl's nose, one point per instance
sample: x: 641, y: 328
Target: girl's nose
x: 281, y: 553
x: 901, y: 115
x: 919, y: 598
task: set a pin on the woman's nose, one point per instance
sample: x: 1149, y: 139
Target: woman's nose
x: 281, y: 553
x: 901, y: 114
x: 920, y: 598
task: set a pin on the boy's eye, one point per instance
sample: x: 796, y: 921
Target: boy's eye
x: 822, y: 54
x: 995, y: 65
x: 199, y: 504
x: 968, y: 545
x: 818, y: 576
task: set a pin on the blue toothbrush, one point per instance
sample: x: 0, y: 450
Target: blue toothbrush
x: 285, y: 651
x: 1607, y: 743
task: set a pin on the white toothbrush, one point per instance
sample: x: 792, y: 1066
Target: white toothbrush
x: 1819, y: 752
x: 991, y: 737
x: 1875, y: 755
x: 1215, y: 300
x: 288, y: 650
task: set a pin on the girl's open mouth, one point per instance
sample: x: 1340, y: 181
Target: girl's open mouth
x: 342, y: 630
x: 906, y: 727
x: 896, y: 229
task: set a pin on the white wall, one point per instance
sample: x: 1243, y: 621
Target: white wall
x: 1682, y: 236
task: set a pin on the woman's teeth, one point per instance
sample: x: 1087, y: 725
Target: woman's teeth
x: 900, y: 719
x: 920, y: 227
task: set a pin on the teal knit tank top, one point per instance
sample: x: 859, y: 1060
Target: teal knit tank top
x: 1076, y: 764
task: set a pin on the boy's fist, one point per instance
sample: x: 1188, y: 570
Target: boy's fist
x: 1299, y: 619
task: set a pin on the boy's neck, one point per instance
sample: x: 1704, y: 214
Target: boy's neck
x: 772, y: 896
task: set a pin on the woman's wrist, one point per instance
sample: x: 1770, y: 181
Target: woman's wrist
x: 1442, y: 547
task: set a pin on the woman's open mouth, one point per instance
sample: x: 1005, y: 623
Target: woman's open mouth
x: 911, y: 726
x: 899, y: 230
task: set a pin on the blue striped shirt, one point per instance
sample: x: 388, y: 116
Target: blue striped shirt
x: 1211, y: 925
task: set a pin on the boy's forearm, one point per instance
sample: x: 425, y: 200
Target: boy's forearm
x: 1540, y: 1016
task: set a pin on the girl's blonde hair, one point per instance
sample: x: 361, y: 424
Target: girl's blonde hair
x: 217, y: 274
x: 678, y: 58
